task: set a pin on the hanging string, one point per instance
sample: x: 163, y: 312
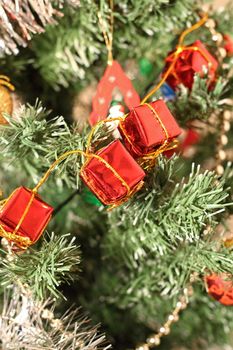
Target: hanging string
x: 179, y: 49
x: 108, y: 35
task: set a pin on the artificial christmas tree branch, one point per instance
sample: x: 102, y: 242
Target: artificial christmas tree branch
x: 29, y: 324
x: 44, y: 270
x: 22, y: 18
x: 200, y: 103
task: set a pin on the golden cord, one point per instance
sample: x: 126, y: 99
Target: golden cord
x: 108, y: 36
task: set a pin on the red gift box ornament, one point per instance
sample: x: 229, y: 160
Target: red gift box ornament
x: 23, y: 217
x: 228, y: 44
x: 185, y: 61
x: 149, y: 130
x: 173, y: 58
x: 112, y: 174
x: 220, y: 287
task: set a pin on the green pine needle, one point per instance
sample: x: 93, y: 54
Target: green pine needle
x: 43, y: 270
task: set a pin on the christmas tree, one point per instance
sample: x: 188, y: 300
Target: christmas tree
x: 116, y: 174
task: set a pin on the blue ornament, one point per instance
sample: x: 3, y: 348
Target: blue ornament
x: 167, y: 92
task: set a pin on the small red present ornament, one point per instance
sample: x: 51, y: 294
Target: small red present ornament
x: 228, y: 44
x: 188, y: 61
x: 149, y: 128
x: 220, y: 287
x: 24, y: 217
x: 112, y: 174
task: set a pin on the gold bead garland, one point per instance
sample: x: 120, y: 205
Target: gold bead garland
x: 222, y: 140
x: 217, y: 38
x: 155, y: 339
x: 224, y: 118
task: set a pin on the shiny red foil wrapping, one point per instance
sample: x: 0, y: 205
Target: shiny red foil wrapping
x: 36, y: 219
x: 220, y: 288
x: 103, y: 182
x: 142, y: 132
x: 189, y: 63
x: 228, y: 44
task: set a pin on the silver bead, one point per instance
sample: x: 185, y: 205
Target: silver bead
x: 171, y: 318
x: 142, y: 347
x: 179, y: 304
x: 167, y: 330
x: 157, y: 340
x: 222, y: 154
x: 153, y: 340
x: 217, y: 37
x: 210, y: 23
x: 227, y: 115
x: 220, y: 169
x: 224, y: 140
x: 226, y: 125
x: 164, y: 330
x: 222, y: 52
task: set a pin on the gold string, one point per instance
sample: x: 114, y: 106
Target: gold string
x: 192, y: 48
x: 108, y: 36
x: 93, y: 129
x: 178, y: 51
x: 192, y: 28
x: 23, y: 242
x: 159, y: 120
